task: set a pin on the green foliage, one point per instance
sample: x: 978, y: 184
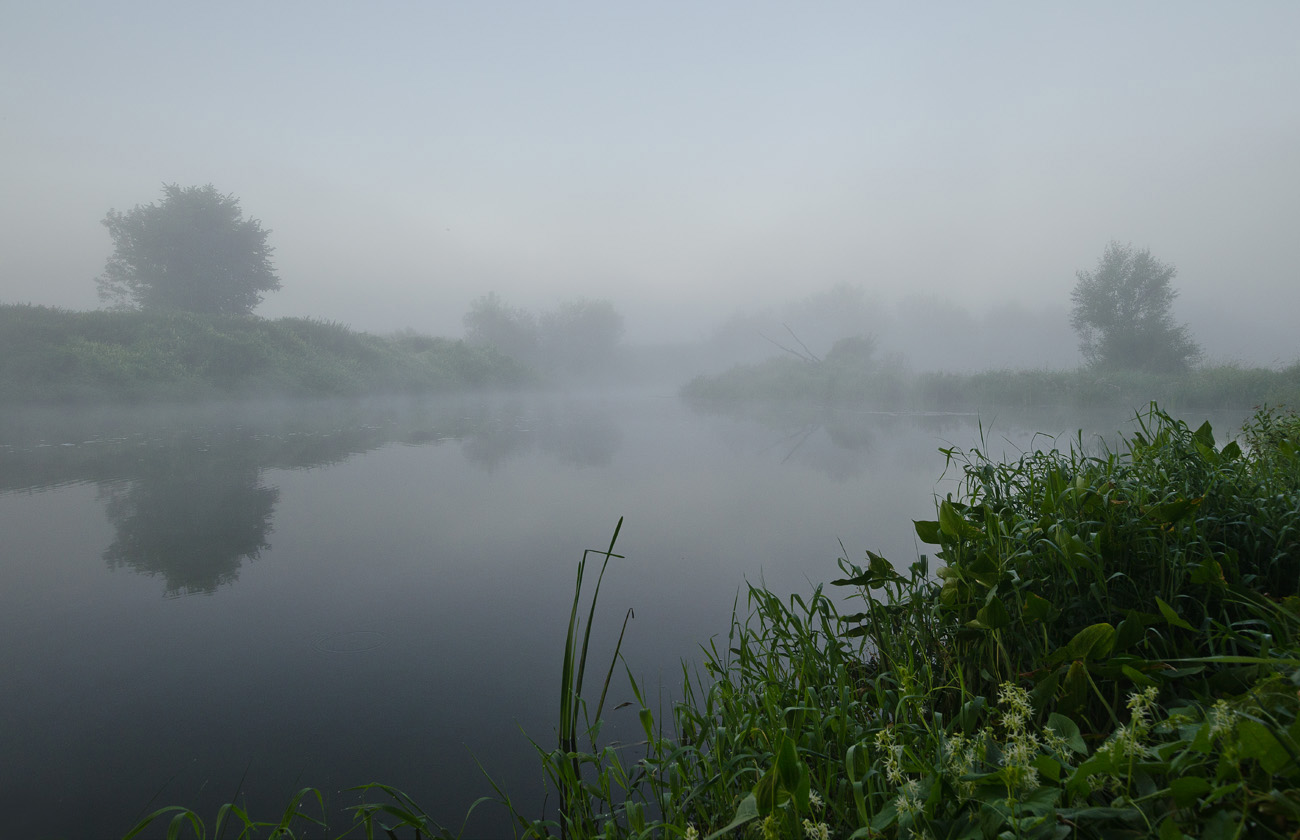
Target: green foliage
x: 193, y: 251
x: 1111, y: 649
x: 50, y: 355
x: 1122, y: 314
x: 844, y: 380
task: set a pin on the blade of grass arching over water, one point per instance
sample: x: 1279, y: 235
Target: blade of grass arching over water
x: 613, y: 660
x: 586, y: 635
x: 574, y: 669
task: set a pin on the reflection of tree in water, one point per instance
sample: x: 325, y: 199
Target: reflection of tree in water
x: 183, y: 488
x: 192, y: 516
x: 577, y: 435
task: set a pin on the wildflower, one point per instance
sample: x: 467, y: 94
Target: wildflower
x: 771, y: 828
x: 959, y: 761
x: 815, y: 800
x: 692, y: 833
x: 1016, y: 699
x: 816, y: 831
x: 1054, y: 742
x: 1222, y: 718
x: 1141, y: 703
x: 909, y: 800
x: 893, y: 755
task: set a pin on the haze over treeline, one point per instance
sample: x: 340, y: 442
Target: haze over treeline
x: 702, y: 167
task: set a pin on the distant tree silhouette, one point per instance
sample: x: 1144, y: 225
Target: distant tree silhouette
x: 1122, y: 314
x: 193, y: 251
x: 491, y: 322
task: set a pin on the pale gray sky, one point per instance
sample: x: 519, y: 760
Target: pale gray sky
x: 679, y: 158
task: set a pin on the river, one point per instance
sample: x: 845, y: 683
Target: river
x: 224, y: 602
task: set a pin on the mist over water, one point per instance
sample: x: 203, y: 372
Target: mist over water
x: 598, y: 206
x: 340, y: 593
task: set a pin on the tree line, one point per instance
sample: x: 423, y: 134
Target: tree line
x: 194, y: 251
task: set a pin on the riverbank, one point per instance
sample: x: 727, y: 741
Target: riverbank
x: 1100, y: 644
x: 55, y: 356
x: 845, y: 380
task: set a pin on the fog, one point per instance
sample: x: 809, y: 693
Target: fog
x: 696, y: 164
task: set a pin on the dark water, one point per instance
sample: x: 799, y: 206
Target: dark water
x: 242, y: 601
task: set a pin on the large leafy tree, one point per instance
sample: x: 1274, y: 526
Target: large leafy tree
x: 1122, y: 314
x: 193, y: 251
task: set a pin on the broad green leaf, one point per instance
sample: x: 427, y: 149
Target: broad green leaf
x: 1074, y: 687
x: 1256, y: 741
x: 1130, y: 631
x: 879, y: 572
x: 1038, y: 608
x: 787, y: 763
x: 954, y: 524
x: 1208, y: 571
x: 885, y: 817
x: 1068, y: 731
x: 1137, y: 676
x: 1204, y: 435
x: 927, y: 531
x: 1169, y: 830
x: 1171, y: 512
x: 746, y: 811
x: 993, y: 616
x: 1222, y: 825
x: 765, y: 792
x: 970, y: 713
x: 1092, y: 642
x: 1187, y: 789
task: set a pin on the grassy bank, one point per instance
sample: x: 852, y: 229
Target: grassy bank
x: 54, y: 356
x: 855, y: 382
x: 1102, y: 644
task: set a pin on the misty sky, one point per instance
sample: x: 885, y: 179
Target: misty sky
x: 682, y: 159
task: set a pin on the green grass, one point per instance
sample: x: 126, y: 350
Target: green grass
x: 1101, y: 645
x: 853, y: 382
x: 1109, y: 648
x: 56, y: 356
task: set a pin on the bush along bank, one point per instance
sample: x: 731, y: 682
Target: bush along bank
x: 840, y: 380
x: 58, y: 356
x: 1109, y: 648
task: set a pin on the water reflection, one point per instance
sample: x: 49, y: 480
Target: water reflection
x: 185, y: 488
x: 191, y: 515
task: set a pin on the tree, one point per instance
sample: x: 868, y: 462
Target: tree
x: 1122, y: 314
x: 193, y: 251
x: 490, y: 321
x: 580, y: 336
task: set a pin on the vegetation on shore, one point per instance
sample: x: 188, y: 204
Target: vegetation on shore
x: 1110, y: 648
x: 54, y: 356
x: 848, y: 378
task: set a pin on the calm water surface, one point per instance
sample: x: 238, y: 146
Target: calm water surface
x: 199, y: 604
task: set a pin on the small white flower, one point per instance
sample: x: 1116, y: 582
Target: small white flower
x: 816, y: 831
x: 1222, y: 718
x: 908, y: 801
